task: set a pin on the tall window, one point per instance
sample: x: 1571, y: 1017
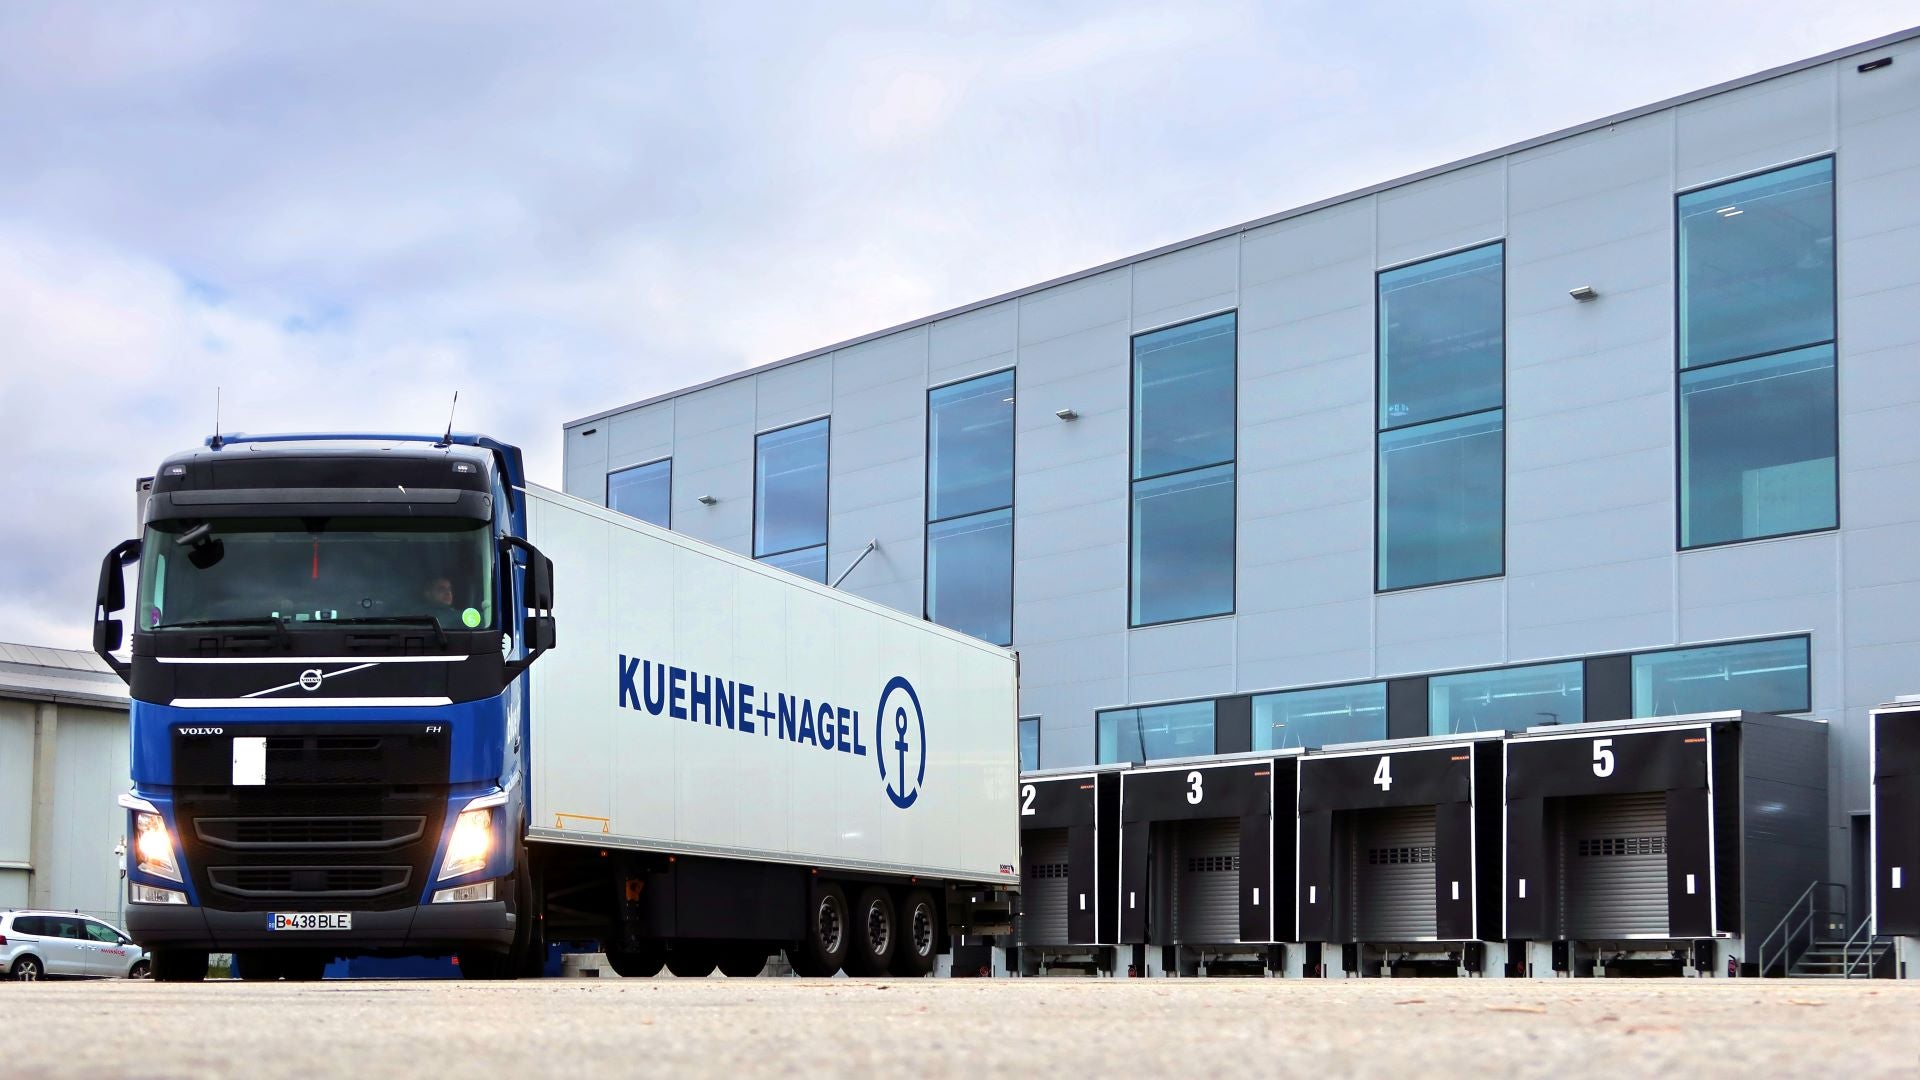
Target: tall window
x: 1441, y: 430
x: 1029, y: 743
x: 644, y: 491
x: 1314, y: 718
x: 1758, y: 423
x: 1183, y: 454
x: 970, y: 507
x: 790, y: 499
x: 1154, y: 732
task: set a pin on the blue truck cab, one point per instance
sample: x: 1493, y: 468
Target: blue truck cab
x: 328, y: 669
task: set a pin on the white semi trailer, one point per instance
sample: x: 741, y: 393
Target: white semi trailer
x: 391, y: 699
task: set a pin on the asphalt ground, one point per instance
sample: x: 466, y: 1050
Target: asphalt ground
x: 1018, y: 1027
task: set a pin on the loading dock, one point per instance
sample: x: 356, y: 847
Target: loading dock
x: 1668, y: 846
x: 1069, y: 863
x: 1894, y: 763
x: 1198, y: 852
x: 1399, y: 864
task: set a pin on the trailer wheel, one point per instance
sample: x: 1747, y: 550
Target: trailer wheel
x: 820, y: 954
x: 689, y: 960
x: 876, y: 933
x: 178, y: 965
x: 642, y: 963
x: 742, y: 961
x: 919, y: 937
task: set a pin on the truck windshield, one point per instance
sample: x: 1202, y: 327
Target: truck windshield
x: 304, y: 571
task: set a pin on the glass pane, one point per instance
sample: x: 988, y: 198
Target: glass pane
x: 1151, y: 734
x: 1761, y: 676
x: 810, y: 563
x: 1512, y: 699
x: 1757, y: 444
x: 1756, y: 265
x: 790, y: 488
x: 1442, y: 500
x: 1314, y: 718
x: 1442, y: 341
x: 1183, y: 546
x: 1183, y: 397
x: 970, y: 447
x: 1029, y: 743
x: 642, y: 492
x: 970, y: 575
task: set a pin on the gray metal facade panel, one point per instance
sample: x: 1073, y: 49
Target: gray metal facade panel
x: 1613, y: 866
x: 1206, y: 895
x: 1393, y: 866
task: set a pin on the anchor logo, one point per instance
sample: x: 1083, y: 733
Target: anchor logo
x: 900, y: 735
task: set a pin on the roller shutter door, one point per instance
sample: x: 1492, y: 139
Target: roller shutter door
x: 1613, y: 866
x: 1043, y: 887
x: 1393, y: 865
x: 1206, y: 898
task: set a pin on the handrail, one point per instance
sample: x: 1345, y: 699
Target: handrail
x: 1795, y: 922
x: 1866, y: 949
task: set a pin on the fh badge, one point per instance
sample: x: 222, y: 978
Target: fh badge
x: 900, y: 736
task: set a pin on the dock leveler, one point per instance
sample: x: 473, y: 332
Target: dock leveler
x: 1069, y: 870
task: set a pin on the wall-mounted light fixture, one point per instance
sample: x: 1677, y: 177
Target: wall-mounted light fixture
x: 1066, y: 414
x: 708, y: 500
x: 1583, y: 293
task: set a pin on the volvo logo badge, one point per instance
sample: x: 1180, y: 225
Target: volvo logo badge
x: 310, y: 679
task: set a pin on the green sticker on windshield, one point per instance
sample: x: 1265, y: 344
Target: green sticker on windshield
x: 471, y: 617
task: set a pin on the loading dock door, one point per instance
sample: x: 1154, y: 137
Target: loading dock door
x: 1393, y: 874
x: 1613, y: 866
x: 1206, y: 898
x: 1043, y: 887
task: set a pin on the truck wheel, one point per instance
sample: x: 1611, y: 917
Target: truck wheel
x: 532, y: 923
x: 820, y: 954
x: 919, y: 937
x: 178, y: 965
x: 742, y: 961
x: 479, y: 964
x: 28, y: 969
x: 257, y: 965
x: 876, y: 933
x: 691, y: 960
x: 642, y: 963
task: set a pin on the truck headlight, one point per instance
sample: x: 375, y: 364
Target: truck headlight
x: 470, y: 844
x: 153, y: 847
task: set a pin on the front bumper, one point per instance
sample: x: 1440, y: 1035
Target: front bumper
x: 425, y: 928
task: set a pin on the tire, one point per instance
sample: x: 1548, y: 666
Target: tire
x: 692, y: 961
x: 141, y: 969
x: 642, y: 963
x: 178, y: 965
x: 258, y: 965
x: 532, y: 919
x: 743, y: 961
x: 481, y: 964
x: 876, y: 933
x: 28, y: 969
x: 484, y: 966
x: 823, y: 951
x: 919, y: 946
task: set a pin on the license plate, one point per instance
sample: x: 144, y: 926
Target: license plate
x: 310, y: 920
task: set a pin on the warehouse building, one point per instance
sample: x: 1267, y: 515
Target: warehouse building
x: 1614, y: 423
x: 63, y: 763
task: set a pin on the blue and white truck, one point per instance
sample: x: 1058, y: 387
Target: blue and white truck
x: 388, y: 698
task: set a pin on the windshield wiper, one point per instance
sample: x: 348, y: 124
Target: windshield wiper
x: 439, y: 632
x: 279, y: 622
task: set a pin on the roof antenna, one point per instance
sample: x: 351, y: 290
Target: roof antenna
x: 447, y: 439
x: 216, y: 442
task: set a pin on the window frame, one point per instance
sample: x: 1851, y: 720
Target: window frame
x: 1379, y: 430
x: 1133, y: 397
x: 1804, y: 636
x: 1253, y: 701
x: 1038, y: 735
x: 1013, y: 496
x: 1212, y: 700
x: 1579, y: 661
x: 826, y: 543
x: 607, y: 494
x: 1679, y: 371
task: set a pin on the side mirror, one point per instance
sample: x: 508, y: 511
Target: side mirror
x: 539, y: 582
x: 536, y: 599
x: 539, y: 632
x: 109, y: 598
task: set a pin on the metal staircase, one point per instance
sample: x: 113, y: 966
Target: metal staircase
x: 1808, y: 942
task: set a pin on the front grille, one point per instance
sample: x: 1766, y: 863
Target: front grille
x: 365, y: 833
x: 310, y: 882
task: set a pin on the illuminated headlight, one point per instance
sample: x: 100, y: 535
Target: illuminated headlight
x: 153, y: 847
x: 464, y: 894
x: 147, y: 894
x: 471, y: 843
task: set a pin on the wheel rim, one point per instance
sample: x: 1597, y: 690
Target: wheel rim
x: 27, y: 971
x: 922, y: 930
x: 879, y: 928
x: 142, y: 970
x: 830, y: 927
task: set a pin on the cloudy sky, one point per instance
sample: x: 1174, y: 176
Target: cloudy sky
x: 341, y: 213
